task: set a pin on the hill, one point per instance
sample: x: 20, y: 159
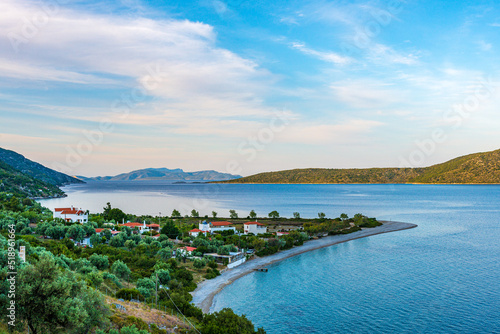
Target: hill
x: 35, y: 170
x: 165, y: 174
x: 15, y: 182
x: 469, y: 169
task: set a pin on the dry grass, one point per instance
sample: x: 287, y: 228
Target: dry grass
x: 147, y: 314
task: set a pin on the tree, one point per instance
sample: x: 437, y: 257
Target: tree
x: 170, y: 230
x: 101, y: 262
x: 130, y: 244
x: 163, y: 276
x: 321, y: 215
x: 226, y: 321
x: 233, y: 214
x: 76, y: 232
x: 344, y: 217
x: 113, y: 213
x: 252, y: 214
x: 49, y: 299
x: 120, y: 269
x: 214, y: 214
x: 165, y: 253
x: 95, y: 240
x: 296, y: 215
x: 274, y: 214
x: 194, y: 213
x: 175, y: 214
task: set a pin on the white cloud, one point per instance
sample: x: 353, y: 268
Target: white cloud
x: 177, y: 61
x: 349, y: 131
x: 330, y: 57
x: 370, y: 94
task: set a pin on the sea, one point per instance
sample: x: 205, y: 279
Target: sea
x: 441, y: 277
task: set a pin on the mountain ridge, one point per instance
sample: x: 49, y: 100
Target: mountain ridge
x: 475, y: 168
x: 163, y: 173
x: 34, y: 169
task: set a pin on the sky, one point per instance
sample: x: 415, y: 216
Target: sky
x: 105, y: 87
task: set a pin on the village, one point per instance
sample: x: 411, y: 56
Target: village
x: 263, y: 236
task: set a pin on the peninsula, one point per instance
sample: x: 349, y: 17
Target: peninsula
x: 477, y: 168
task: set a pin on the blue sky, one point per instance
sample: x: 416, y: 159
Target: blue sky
x: 99, y: 88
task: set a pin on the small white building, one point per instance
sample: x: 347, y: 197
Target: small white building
x: 221, y: 226
x: 72, y: 214
x: 141, y: 227
x: 254, y: 227
x: 195, y: 232
x: 204, y: 226
x: 279, y: 234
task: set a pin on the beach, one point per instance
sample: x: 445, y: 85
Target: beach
x: 204, y: 294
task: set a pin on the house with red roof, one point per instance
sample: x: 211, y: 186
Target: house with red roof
x: 196, y: 231
x: 186, y: 250
x: 221, y: 226
x: 140, y: 227
x: 72, y: 214
x: 254, y: 227
x: 279, y: 234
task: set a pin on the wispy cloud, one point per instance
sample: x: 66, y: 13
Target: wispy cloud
x: 330, y: 57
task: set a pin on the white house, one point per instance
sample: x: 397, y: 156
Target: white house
x: 204, y: 226
x: 279, y: 234
x: 254, y: 227
x: 188, y: 251
x: 195, y: 232
x: 221, y: 226
x: 71, y: 215
x: 141, y: 227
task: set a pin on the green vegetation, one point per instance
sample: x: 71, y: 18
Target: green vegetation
x: 14, y: 182
x: 469, y: 169
x: 34, y: 169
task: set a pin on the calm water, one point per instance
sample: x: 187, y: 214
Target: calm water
x: 442, y: 277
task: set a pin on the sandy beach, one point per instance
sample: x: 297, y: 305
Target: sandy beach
x: 204, y: 294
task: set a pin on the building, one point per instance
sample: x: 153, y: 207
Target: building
x: 72, y: 214
x: 279, y: 234
x: 232, y: 260
x: 186, y: 250
x: 221, y: 226
x: 141, y: 227
x: 204, y: 226
x: 195, y: 232
x: 254, y: 227
x: 154, y: 227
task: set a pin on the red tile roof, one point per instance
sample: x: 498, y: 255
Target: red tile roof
x: 72, y: 212
x: 115, y: 232
x: 153, y: 225
x: 190, y: 249
x: 221, y: 223
x: 195, y: 230
x: 254, y: 223
x: 99, y: 230
x: 133, y: 224
x: 62, y: 209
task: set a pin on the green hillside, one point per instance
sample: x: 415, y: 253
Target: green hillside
x: 34, y: 169
x: 13, y: 181
x: 473, y: 168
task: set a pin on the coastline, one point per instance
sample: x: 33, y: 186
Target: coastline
x: 206, y: 291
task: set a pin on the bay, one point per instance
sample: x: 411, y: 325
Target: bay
x: 441, y: 277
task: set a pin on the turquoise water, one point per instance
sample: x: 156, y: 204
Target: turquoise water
x: 441, y: 277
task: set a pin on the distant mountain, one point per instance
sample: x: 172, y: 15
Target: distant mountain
x: 35, y: 170
x: 468, y: 169
x: 15, y: 182
x: 165, y: 174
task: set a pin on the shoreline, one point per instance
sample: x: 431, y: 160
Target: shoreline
x: 206, y: 291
